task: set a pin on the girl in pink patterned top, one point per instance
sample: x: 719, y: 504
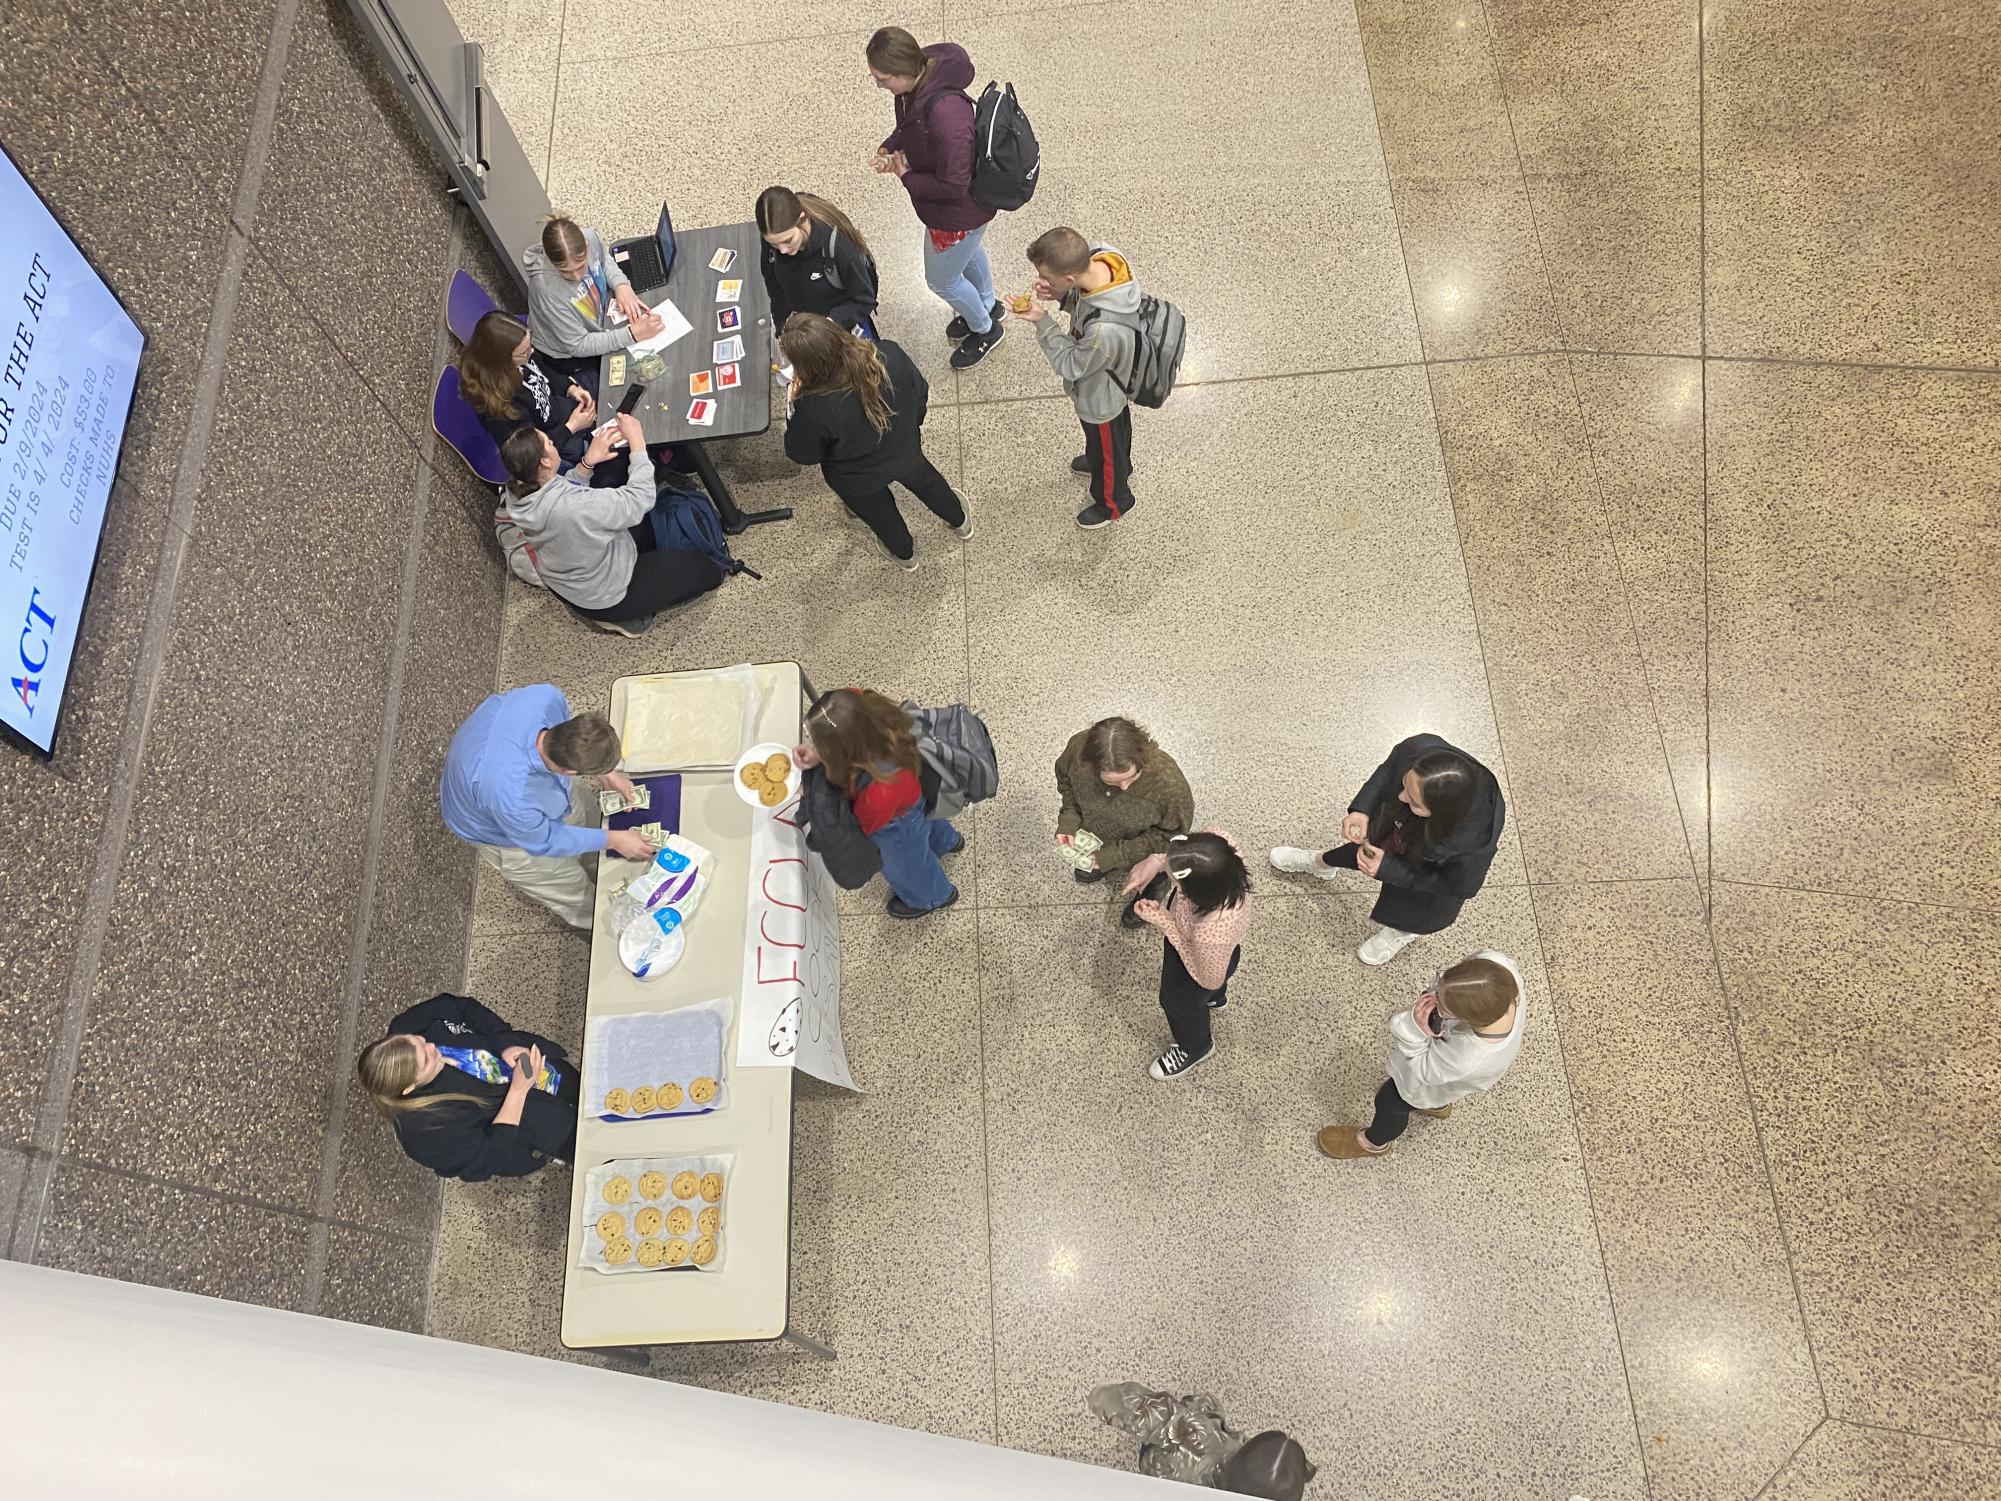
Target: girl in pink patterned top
x: 1203, y: 921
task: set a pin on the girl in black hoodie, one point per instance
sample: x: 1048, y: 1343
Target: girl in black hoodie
x: 815, y: 261
x: 471, y: 1097
x: 1425, y: 825
x: 857, y: 410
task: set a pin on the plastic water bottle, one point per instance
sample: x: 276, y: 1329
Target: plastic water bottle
x: 657, y: 881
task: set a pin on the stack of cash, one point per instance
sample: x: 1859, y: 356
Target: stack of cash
x: 610, y: 802
x: 1083, y: 844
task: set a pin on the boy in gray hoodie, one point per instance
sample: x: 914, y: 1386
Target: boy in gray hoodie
x: 1095, y: 287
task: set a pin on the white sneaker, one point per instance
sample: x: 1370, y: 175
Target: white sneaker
x: 965, y: 528
x: 1299, y: 862
x: 1384, y: 945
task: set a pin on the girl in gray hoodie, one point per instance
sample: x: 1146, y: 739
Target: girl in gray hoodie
x: 600, y: 550
x: 573, y: 285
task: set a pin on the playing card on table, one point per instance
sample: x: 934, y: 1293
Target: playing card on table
x: 727, y: 319
x: 699, y: 383
x: 722, y: 260
x: 728, y: 351
x: 728, y: 291
x: 728, y: 378
x: 702, y: 412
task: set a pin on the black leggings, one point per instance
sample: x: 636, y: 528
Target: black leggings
x: 662, y: 577
x: 1186, y: 1002
x: 1392, y: 1116
x: 878, y: 507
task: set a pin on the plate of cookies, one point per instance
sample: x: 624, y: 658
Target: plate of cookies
x: 656, y: 1214
x: 766, y: 777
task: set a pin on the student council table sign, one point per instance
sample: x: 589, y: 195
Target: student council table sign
x: 791, y: 996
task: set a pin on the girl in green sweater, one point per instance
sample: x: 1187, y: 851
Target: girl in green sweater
x: 1116, y: 784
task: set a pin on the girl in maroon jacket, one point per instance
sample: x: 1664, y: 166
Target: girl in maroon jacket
x: 931, y: 149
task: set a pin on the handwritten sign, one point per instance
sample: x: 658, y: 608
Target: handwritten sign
x: 791, y: 996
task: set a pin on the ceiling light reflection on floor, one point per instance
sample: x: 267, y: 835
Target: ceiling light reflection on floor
x: 1064, y: 1262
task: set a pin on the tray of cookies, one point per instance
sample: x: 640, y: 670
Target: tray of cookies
x: 656, y: 1214
x: 766, y: 776
x: 654, y: 1064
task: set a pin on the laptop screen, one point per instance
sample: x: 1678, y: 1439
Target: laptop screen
x: 666, y: 237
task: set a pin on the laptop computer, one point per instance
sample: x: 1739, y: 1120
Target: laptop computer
x: 648, y: 260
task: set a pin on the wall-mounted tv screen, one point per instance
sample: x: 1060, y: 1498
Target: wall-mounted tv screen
x: 69, y: 355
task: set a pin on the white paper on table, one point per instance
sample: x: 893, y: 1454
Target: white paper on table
x: 672, y: 327
x: 695, y: 720
x: 789, y: 1011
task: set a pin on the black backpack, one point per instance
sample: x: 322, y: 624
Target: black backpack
x: 1006, y: 159
x: 1160, y: 334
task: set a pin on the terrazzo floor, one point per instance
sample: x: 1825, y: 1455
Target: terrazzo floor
x: 1612, y: 394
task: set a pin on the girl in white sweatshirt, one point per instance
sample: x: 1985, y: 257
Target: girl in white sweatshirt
x: 1459, y: 1038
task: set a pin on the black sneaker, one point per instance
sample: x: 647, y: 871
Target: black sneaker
x: 1174, y: 1062
x: 974, y: 347
x: 1219, y: 1002
x: 898, y: 907
x: 1081, y: 464
x: 1086, y: 877
x: 958, y: 328
x: 1095, y: 515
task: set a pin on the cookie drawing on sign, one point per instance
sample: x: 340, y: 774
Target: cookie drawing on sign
x: 784, y: 1041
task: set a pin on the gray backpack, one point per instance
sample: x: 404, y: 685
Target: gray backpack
x: 1160, y: 334
x: 955, y: 743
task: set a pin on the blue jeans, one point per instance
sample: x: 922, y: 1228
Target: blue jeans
x: 962, y: 277
x: 910, y: 845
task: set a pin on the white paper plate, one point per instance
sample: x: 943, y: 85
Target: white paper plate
x: 793, y: 776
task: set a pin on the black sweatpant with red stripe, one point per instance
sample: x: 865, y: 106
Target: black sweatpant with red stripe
x: 1109, y: 447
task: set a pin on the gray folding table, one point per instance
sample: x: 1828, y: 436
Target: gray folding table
x: 739, y: 412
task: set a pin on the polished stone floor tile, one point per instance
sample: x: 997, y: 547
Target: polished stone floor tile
x: 645, y: 29
x: 1476, y: 267
x: 1590, y: 83
x: 1190, y: 1233
x: 376, y: 1279
x: 354, y: 246
x: 231, y: 742
x: 1571, y: 694
x: 536, y: 981
x: 522, y: 43
x: 1059, y: 617
x: 1624, y: 255
x: 108, y: 1224
x: 1882, y: 1138
x: 1715, y: 1352
x: 1643, y: 421
x: 1854, y: 208
x: 1844, y: 1462
x: 1855, y: 619
x: 1437, y: 91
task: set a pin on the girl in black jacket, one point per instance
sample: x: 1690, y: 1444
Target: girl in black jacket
x: 857, y: 410
x: 815, y: 261
x: 506, y: 382
x: 1425, y: 826
x: 471, y: 1097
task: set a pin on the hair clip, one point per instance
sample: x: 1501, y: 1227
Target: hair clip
x: 1182, y: 875
x: 1177, y: 838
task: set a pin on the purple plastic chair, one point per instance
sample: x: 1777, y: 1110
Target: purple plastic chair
x: 465, y: 304
x: 454, y: 420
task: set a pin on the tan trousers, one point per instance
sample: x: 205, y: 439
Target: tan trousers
x: 565, y: 884
x: 558, y: 882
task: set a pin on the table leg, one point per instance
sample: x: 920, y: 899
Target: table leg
x: 633, y: 1358
x: 735, y: 522
x: 809, y: 1345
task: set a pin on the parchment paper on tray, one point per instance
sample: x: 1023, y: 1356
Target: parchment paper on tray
x: 628, y: 1229
x: 692, y: 721
x: 658, y: 1063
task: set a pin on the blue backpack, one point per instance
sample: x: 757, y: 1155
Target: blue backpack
x: 690, y: 522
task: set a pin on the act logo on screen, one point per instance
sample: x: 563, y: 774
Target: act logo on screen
x: 34, y: 649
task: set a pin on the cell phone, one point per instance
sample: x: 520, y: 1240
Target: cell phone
x: 634, y: 393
